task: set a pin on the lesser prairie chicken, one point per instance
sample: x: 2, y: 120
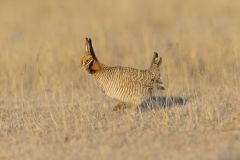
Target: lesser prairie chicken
x: 125, y: 84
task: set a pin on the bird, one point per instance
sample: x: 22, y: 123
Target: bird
x: 125, y: 84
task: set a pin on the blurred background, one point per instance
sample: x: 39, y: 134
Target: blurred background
x: 50, y: 108
x: 41, y: 42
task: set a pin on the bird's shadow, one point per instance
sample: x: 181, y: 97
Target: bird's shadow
x: 159, y: 102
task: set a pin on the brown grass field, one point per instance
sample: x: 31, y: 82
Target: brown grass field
x: 52, y: 109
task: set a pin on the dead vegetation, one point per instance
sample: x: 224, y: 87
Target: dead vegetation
x: 51, y: 109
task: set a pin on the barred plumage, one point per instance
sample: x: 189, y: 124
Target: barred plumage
x: 125, y: 84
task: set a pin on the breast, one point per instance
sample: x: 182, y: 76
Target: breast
x: 124, y: 84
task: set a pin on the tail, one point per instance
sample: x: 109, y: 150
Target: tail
x: 156, y: 61
x: 155, y: 70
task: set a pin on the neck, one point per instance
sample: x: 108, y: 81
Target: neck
x: 95, y: 67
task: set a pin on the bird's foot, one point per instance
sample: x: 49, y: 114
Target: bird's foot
x: 119, y: 106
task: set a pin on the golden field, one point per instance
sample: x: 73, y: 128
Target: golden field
x: 51, y: 109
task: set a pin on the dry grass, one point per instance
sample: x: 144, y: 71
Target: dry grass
x: 50, y: 109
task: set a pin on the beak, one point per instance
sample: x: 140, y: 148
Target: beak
x: 81, y: 65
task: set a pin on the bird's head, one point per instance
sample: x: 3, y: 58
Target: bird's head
x: 89, y: 61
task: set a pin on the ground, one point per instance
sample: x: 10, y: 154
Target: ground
x: 51, y: 109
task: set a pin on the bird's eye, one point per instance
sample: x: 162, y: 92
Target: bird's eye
x: 87, y: 61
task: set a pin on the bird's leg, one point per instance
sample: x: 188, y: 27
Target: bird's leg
x: 119, y: 106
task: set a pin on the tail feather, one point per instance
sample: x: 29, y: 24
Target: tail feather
x: 155, y: 69
x: 156, y: 61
